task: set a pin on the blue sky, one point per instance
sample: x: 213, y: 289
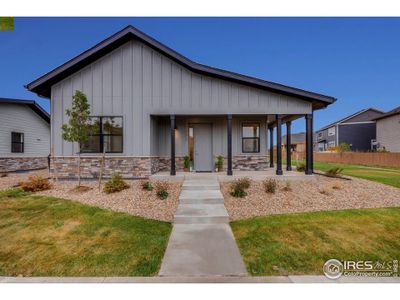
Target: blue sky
x: 355, y: 60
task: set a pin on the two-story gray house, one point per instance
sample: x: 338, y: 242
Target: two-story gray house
x: 24, y: 135
x: 358, y: 130
x: 152, y: 106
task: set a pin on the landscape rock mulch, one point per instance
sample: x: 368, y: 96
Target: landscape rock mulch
x: 134, y: 200
x: 317, y: 194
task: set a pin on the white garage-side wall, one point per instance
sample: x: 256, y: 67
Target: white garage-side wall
x: 21, y: 118
x: 388, y: 133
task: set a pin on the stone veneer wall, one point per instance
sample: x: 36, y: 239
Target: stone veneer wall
x: 138, y: 167
x: 11, y: 164
x: 127, y: 166
x: 164, y: 164
x: 250, y: 162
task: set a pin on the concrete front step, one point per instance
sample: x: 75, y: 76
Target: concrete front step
x: 201, y: 214
x: 201, y: 194
x: 201, y: 201
x: 200, y: 187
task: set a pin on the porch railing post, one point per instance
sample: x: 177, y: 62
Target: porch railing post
x: 173, y: 169
x: 229, y: 128
x: 288, y: 146
x: 279, y: 145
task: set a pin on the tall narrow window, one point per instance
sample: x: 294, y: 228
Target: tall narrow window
x: 190, y: 143
x: 106, y: 134
x: 251, y: 137
x: 17, y: 142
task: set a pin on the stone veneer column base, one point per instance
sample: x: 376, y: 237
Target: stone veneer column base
x: 250, y: 162
x: 11, y: 164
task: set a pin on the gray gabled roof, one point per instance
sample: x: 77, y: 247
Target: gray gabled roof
x: 42, y: 85
x: 349, y: 117
x: 31, y: 104
x: 393, y: 112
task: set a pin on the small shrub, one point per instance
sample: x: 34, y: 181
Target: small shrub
x: 186, y: 162
x: 343, y: 147
x: 146, y: 185
x: 238, y: 193
x: 288, y: 186
x: 115, y: 184
x: 337, y: 185
x: 35, y: 184
x: 220, y: 162
x: 326, y: 190
x: 243, y: 182
x: 239, y: 187
x: 162, y: 189
x: 334, y: 172
x: 270, y: 186
x: 301, y: 166
x: 3, y: 175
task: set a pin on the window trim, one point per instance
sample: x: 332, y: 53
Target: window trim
x: 251, y: 138
x: 101, y: 135
x: 18, y: 143
x: 332, y: 131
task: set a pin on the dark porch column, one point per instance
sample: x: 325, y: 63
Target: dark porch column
x: 173, y: 170
x: 309, y: 144
x: 271, y: 146
x: 279, y: 145
x: 229, y: 170
x: 288, y: 146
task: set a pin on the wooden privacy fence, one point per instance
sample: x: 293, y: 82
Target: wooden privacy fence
x: 388, y: 159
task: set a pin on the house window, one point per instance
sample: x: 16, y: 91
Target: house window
x: 17, y: 142
x: 331, y: 144
x: 331, y: 131
x: 106, y: 134
x: 250, y: 137
x: 319, y: 135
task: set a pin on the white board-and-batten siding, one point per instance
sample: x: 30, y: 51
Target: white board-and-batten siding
x: 21, y: 118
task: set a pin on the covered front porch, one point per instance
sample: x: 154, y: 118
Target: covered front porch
x: 247, y: 143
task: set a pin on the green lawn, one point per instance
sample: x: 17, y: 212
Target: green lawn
x: 301, y: 243
x: 46, y: 236
x: 386, y: 175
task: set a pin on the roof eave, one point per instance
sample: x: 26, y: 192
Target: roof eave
x: 42, y: 85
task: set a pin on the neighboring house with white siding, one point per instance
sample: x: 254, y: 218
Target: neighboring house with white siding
x: 151, y: 106
x: 24, y: 135
x: 388, y: 131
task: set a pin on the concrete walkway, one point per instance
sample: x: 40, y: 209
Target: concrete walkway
x: 202, y: 242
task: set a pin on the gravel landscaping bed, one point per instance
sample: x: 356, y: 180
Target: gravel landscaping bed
x: 13, y: 178
x: 306, y: 196
x: 133, y: 200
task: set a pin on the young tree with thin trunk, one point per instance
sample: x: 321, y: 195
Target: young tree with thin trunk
x: 78, y: 127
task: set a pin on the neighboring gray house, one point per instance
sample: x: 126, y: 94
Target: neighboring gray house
x: 388, y: 131
x: 358, y: 130
x: 151, y: 106
x: 24, y: 135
